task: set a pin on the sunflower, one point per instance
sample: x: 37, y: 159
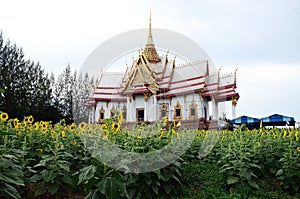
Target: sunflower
x: 104, y: 126
x: 16, y: 123
x: 39, y: 150
x: 63, y: 134
x: 174, y: 133
x: 116, y: 126
x: 298, y: 148
x: 30, y: 119
x: 25, y: 120
x: 44, y: 125
x: 105, y: 133
x: 161, y: 134
x: 165, y: 121
x: 4, y: 116
x: 82, y: 125
x: 72, y: 127
x: 36, y: 126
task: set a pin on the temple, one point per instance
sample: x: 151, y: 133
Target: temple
x: 155, y: 87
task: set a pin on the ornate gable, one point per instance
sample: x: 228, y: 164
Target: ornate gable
x: 140, y: 76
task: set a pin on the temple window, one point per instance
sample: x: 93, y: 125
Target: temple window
x: 124, y: 113
x: 101, y: 114
x: 163, y: 110
x: 177, y: 112
x: 193, y: 111
x: 140, y: 114
x: 112, y: 112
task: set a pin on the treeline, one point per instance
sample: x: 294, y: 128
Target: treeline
x: 26, y: 89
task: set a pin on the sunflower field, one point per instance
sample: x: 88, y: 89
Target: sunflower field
x: 39, y: 159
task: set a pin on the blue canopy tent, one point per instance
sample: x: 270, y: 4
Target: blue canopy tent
x: 251, y: 122
x: 278, y: 120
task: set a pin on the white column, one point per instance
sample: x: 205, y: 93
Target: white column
x: 89, y: 116
x: 234, y: 103
x: 154, y: 108
x: 128, y: 106
x: 145, y: 111
x: 215, y: 108
x: 233, y: 112
x: 133, y: 110
x: 93, y: 118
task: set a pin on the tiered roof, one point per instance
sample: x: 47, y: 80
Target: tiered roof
x: 156, y: 75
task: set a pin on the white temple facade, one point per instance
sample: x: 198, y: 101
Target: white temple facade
x: 155, y: 87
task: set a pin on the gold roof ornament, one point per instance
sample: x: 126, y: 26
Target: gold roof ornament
x: 150, y: 51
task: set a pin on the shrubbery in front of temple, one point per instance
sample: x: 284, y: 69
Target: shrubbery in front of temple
x: 44, y: 159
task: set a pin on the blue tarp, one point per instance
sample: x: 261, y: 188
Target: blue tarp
x: 245, y: 120
x: 272, y: 120
x: 278, y: 120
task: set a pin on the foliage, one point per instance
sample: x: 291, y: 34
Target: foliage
x: 25, y: 88
x: 40, y: 159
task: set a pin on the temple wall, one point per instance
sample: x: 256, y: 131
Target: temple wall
x: 107, y: 107
x: 152, y: 107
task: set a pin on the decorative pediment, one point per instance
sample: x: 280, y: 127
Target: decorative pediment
x: 141, y: 76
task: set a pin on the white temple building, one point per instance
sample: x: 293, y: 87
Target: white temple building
x: 155, y: 87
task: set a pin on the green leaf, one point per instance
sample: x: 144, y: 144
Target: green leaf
x: 155, y: 189
x: 148, y: 181
x: 232, y: 180
x: 67, y: 179
x: 111, y: 187
x: 167, y: 176
x: 64, y: 165
x: 36, y: 177
x: 93, y: 195
x: 254, y: 165
x: 86, y: 174
x: 2, y: 90
x: 14, y: 176
x: 246, y: 175
x: 273, y: 170
x: 40, y: 191
x: 5, y: 163
x: 227, y: 168
x: 279, y: 172
x: 48, y: 175
x: 253, y: 184
x: 52, y: 188
x: 168, y: 187
x: 9, y: 191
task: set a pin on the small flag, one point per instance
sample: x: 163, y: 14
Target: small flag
x: 287, y: 123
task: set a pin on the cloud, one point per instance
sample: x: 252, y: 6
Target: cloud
x: 267, y: 88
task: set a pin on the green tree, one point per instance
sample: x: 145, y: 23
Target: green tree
x: 27, y: 87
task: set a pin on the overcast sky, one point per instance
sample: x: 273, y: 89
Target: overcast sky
x: 260, y: 37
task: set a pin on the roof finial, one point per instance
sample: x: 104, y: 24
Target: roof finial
x: 150, y: 51
x: 150, y: 39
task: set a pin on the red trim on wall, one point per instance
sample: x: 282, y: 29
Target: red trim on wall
x: 102, y: 93
x: 177, y: 94
x: 227, y: 86
x: 111, y: 100
x: 180, y: 81
x: 100, y: 87
x: 226, y: 96
x: 196, y: 84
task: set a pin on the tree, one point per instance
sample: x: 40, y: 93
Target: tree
x: 27, y: 87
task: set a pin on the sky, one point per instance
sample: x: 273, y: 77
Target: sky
x: 260, y: 37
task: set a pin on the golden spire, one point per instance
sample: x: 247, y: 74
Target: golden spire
x: 150, y: 39
x: 150, y: 51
